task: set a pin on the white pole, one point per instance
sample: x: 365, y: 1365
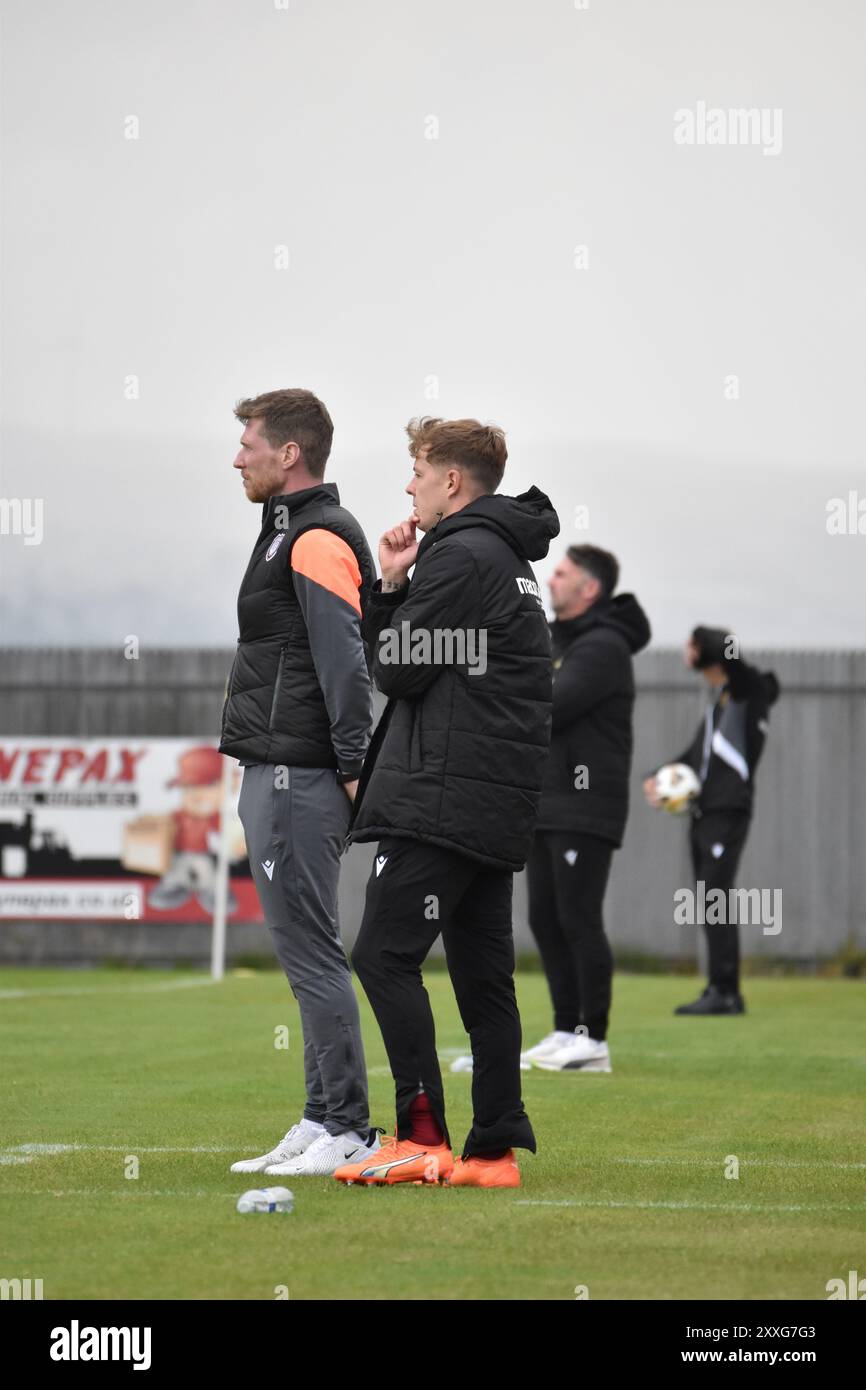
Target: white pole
x: 221, y: 893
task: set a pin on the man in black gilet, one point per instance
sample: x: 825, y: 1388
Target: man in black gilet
x: 297, y: 715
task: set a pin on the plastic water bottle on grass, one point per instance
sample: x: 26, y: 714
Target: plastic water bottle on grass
x: 266, y: 1199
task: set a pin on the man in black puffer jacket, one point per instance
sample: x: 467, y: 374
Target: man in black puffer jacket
x: 584, y: 804
x: 450, y: 789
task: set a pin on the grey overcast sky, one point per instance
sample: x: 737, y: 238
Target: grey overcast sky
x: 693, y: 376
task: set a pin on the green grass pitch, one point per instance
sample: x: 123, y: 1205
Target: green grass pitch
x: 627, y: 1195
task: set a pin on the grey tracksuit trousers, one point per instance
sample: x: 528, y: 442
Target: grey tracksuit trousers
x: 295, y: 821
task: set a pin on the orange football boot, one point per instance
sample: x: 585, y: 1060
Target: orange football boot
x: 400, y: 1160
x: 477, y: 1171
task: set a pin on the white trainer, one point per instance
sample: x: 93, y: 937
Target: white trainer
x: 463, y: 1063
x: 579, y: 1054
x: 467, y: 1063
x: 546, y: 1048
x: 326, y: 1154
x: 298, y: 1139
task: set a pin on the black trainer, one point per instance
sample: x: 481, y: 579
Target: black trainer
x: 712, y: 1001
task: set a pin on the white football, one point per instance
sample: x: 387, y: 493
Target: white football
x: 677, y: 786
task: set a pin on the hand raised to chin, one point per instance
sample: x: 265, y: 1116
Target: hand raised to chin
x: 398, y: 550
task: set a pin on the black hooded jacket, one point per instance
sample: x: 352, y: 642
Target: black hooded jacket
x: 586, y: 787
x: 729, y: 741
x: 458, y: 756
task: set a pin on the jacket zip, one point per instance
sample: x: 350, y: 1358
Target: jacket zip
x: 277, y: 687
x: 230, y: 689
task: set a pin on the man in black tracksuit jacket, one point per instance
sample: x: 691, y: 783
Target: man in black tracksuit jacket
x: 450, y: 789
x: 724, y: 754
x: 584, y: 802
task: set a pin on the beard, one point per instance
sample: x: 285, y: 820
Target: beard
x: 256, y: 491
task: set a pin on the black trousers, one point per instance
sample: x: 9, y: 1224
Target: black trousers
x: 415, y: 891
x: 567, y: 875
x: 716, y: 841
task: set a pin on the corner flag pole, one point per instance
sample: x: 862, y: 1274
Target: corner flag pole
x: 221, y: 893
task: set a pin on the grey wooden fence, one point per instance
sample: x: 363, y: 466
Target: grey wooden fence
x: 807, y: 838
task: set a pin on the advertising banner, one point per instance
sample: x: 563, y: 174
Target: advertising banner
x: 118, y: 829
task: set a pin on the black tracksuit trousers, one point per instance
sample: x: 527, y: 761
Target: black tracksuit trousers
x: 567, y: 875
x: 716, y: 841
x: 415, y: 891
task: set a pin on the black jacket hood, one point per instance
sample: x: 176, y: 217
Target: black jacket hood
x: 527, y: 522
x: 623, y: 613
x: 771, y: 685
x: 747, y: 682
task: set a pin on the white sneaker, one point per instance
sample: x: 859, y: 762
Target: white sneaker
x: 466, y: 1064
x: 552, y: 1043
x: 299, y: 1138
x: 579, y: 1054
x: 326, y: 1154
x: 463, y: 1063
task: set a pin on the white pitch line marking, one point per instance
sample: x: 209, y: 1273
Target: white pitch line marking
x: 46, y: 1150
x: 698, y: 1206
x: 23, y: 1153
x: 744, y: 1162
x: 163, y: 988
x: 132, y: 1191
